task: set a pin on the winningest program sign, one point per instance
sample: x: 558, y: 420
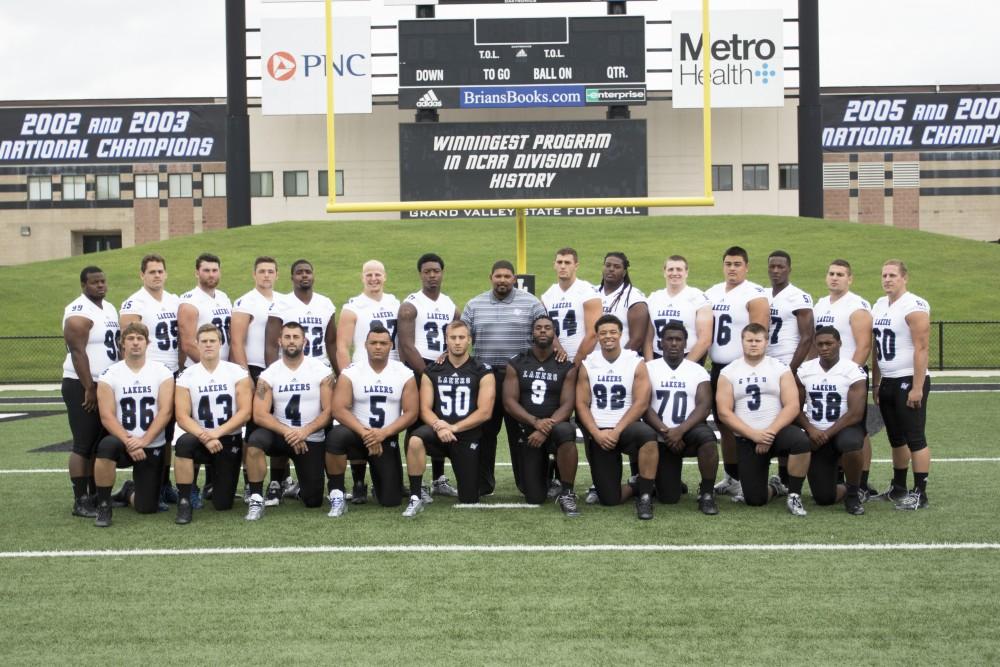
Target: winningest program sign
x: 110, y: 135
x: 920, y: 122
x: 536, y: 160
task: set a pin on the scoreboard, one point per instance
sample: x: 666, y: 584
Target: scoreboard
x: 568, y: 61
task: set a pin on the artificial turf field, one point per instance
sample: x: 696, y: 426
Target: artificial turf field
x: 499, y: 586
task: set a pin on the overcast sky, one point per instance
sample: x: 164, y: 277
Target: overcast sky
x: 79, y: 49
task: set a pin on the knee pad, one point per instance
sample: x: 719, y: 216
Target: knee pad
x: 917, y: 446
x: 109, y: 448
x: 185, y: 446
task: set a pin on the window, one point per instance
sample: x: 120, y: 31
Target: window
x: 722, y: 177
x: 755, y: 177
x: 323, y: 190
x: 109, y: 186
x: 74, y: 188
x: 39, y: 188
x: 179, y: 185
x: 213, y: 185
x: 296, y: 183
x: 261, y: 184
x: 147, y: 186
x: 788, y: 177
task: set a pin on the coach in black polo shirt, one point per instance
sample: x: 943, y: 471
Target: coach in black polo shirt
x: 500, y: 321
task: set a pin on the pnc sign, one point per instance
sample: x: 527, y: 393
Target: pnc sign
x: 293, y: 80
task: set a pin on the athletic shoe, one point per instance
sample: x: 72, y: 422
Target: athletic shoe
x: 272, y: 496
x: 567, y: 503
x: 168, y: 494
x: 893, y: 494
x: 706, y: 503
x: 555, y: 489
x: 289, y: 488
x: 425, y: 494
x: 84, y: 506
x: 853, y: 504
x: 184, y: 512
x: 415, y: 507
x: 777, y: 486
x: 102, y: 518
x: 868, y: 492
x: 914, y: 500
x: 120, y: 499
x: 338, y: 504
x: 738, y: 498
x: 196, y: 500
x: 644, y: 507
x: 442, y: 487
x: 360, y: 494
x: 256, y: 510
x: 207, y: 492
x: 794, y: 504
x: 246, y: 494
x: 591, y: 498
x: 729, y: 487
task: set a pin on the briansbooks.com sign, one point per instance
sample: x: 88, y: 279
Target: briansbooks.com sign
x: 531, y: 160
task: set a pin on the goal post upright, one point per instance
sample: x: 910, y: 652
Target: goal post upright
x: 520, y: 205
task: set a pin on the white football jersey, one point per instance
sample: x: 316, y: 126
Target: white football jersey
x: 296, y: 393
x: 315, y: 317
x: 257, y: 306
x: 429, y: 326
x: 213, y: 394
x: 161, y: 319
x: 756, y: 390
x: 611, y: 386
x: 378, y: 397
x: 137, y: 395
x: 683, y: 308
x: 367, y: 310
x: 784, y: 328
x: 826, y: 390
x: 674, y: 389
x: 892, y: 338
x: 102, y: 343
x: 729, y: 309
x: 618, y: 304
x: 215, y: 310
x: 837, y: 314
x: 566, y: 309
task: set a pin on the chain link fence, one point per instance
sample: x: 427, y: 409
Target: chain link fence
x: 954, y: 345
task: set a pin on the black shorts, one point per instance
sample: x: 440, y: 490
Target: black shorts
x: 387, y: 467
x: 823, y: 468
x: 226, y: 464
x: 668, y: 468
x: 697, y: 435
x: 713, y: 377
x: 147, y: 474
x: 533, y: 462
x: 754, y: 467
x: 868, y: 391
x: 904, y: 425
x: 606, y: 464
x: 310, y: 467
x: 561, y: 432
x: 464, y: 456
x: 85, y: 426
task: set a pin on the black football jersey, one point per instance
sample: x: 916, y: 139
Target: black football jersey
x: 456, y: 391
x: 541, y: 382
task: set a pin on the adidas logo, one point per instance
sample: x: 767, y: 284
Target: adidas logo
x: 521, y: 53
x: 429, y: 101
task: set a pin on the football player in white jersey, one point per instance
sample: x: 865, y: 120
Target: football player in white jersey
x: 92, y: 336
x: 792, y: 324
x: 357, y: 315
x: 736, y: 302
x: 423, y: 318
x: 212, y: 401
x: 850, y: 315
x: 832, y: 391
x: 612, y: 394
x: 758, y: 400
x: 205, y: 304
x: 136, y: 401
x: 680, y: 401
x: 157, y: 309
x: 315, y: 312
x: 292, y: 408
x: 900, y: 341
x: 574, y: 306
x: 679, y: 302
x: 619, y: 297
x: 250, y: 314
x: 374, y: 401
